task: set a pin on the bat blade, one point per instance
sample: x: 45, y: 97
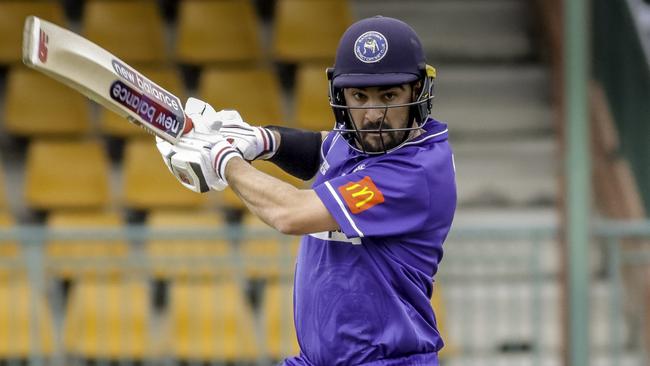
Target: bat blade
x: 104, y: 78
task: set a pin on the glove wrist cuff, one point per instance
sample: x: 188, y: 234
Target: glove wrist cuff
x: 268, y: 143
x: 221, y: 155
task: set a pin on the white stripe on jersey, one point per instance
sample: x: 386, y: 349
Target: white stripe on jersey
x: 345, y: 212
x: 335, y: 236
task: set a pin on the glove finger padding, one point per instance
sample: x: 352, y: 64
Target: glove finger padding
x: 166, y: 151
x: 193, y: 170
x: 205, y: 119
x: 189, y: 162
x: 252, y: 142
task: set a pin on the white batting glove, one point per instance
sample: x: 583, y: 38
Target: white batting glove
x: 220, y: 154
x: 252, y: 141
x: 189, y: 161
x: 205, y: 119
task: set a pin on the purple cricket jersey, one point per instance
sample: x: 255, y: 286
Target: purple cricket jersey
x: 362, y: 295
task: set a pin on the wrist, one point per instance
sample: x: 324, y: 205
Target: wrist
x: 233, y: 166
x: 221, y: 155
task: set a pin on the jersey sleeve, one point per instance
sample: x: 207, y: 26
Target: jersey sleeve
x: 327, y: 143
x: 385, y: 199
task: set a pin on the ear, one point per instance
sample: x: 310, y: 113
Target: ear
x: 416, y: 88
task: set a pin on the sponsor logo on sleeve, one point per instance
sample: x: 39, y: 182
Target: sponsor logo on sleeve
x: 324, y: 167
x: 361, y: 195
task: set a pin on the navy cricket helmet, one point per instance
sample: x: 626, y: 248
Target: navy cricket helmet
x: 379, y: 51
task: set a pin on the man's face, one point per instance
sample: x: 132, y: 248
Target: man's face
x: 380, y: 116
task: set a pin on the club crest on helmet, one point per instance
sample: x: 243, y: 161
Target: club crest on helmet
x: 370, y: 47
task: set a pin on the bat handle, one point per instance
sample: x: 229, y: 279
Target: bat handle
x: 189, y: 125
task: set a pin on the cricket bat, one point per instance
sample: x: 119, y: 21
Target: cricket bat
x: 104, y: 78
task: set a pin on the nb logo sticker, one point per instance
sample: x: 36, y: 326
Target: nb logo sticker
x: 361, y: 195
x: 42, y: 46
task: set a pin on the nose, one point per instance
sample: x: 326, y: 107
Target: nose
x: 375, y: 115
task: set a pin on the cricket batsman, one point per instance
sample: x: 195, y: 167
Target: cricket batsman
x: 381, y: 205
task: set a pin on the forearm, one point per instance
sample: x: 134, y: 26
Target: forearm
x: 279, y: 204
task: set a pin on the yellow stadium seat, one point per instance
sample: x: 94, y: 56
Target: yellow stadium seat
x: 148, y: 184
x: 131, y: 30
x: 10, y: 251
x: 188, y: 258
x: 267, y: 254
x: 109, y: 320
x: 217, y: 31
x: 277, y: 315
x: 309, y: 30
x: 111, y: 124
x: 12, y: 19
x: 312, y: 109
x: 87, y: 257
x: 210, y: 320
x: 277, y: 172
x: 255, y: 93
x: 4, y: 204
x: 26, y: 323
x: 231, y: 201
x: 438, y: 304
x: 66, y: 175
x: 38, y: 105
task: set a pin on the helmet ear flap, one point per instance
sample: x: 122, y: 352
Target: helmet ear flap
x: 420, y: 111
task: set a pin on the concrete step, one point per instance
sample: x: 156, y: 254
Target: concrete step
x: 505, y: 236
x: 509, y: 295
x: 468, y: 29
x: 487, y: 83
x: 490, y: 316
x: 497, y: 218
x: 494, y: 101
x: 506, y: 297
x: 518, y: 172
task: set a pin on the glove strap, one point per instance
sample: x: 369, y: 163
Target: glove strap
x: 270, y: 145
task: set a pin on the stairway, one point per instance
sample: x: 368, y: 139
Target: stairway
x: 494, y: 93
x: 491, y: 91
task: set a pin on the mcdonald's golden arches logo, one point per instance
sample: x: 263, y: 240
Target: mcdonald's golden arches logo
x: 361, y: 195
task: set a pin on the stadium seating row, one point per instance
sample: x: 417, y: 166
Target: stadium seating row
x: 75, y: 174
x: 206, y: 320
x: 108, y: 316
x: 37, y: 105
x: 166, y: 255
x: 207, y: 31
x: 109, y: 319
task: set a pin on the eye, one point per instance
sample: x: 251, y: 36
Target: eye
x: 390, y: 96
x: 358, y: 96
